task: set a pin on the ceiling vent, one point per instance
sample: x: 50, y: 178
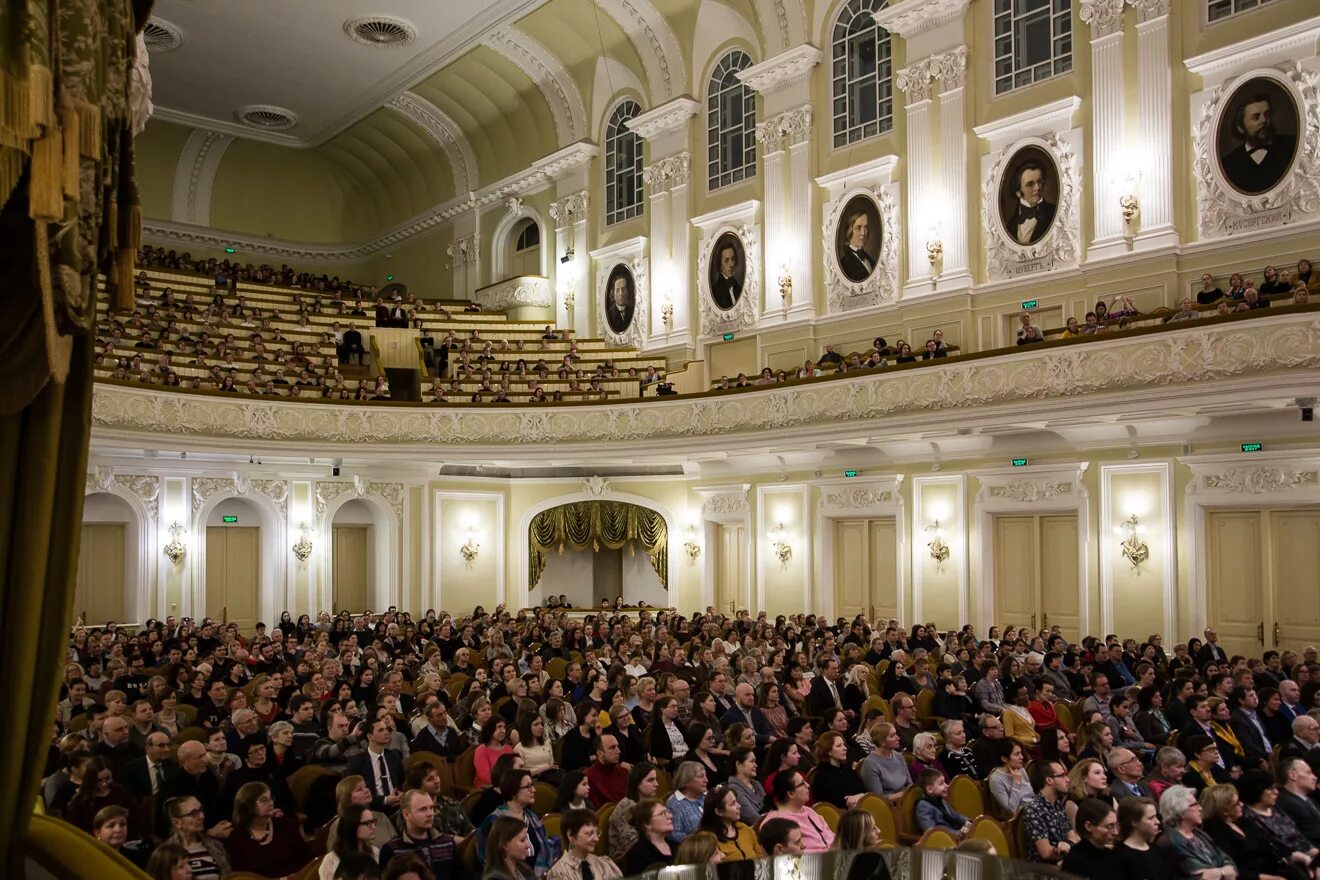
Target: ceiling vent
x: 161, y: 36
x: 380, y: 30
x: 264, y: 117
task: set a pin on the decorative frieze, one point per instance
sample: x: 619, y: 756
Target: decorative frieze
x: 1264, y: 480
x: 524, y: 290
x: 239, y: 485
x: 327, y: 492
x: 146, y: 489
x: 725, y: 504
x: 668, y: 117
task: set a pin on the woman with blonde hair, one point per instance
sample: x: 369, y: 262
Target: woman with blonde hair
x: 264, y: 691
x: 1086, y: 780
x: 884, y: 772
x: 857, y: 830
x: 858, y: 688
x: 700, y: 849
x: 353, y: 791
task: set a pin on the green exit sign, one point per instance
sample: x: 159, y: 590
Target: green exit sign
x: 850, y: 473
x: 1029, y: 303
x: 728, y: 337
x: 229, y: 250
x: 1252, y: 447
x: 1020, y: 462
x: 229, y: 519
x: 389, y: 277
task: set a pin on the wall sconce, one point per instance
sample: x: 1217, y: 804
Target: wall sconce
x: 690, y: 546
x: 783, y: 550
x: 785, y: 286
x: 568, y: 297
x: 934, y: 253
x: 939, y: 551
x: 303, y: 549
x: 175, y: 549
x: 667, y: 313
x: 1133, y: 548
x: 470, y: 549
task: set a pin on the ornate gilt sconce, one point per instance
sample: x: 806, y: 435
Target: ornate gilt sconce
x: 690, y: 546
x: 939, y: 551
x: 303, y: 549
x: 470, y: 549
x: 785, y: 286
x: 1134, y: 549
x: 783, y: 550
x: 175, y: 550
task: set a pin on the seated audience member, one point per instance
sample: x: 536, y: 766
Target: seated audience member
x: 1170, y: 767
x: 110, y: 826
x: 790, y: 798
x: 1249, y: 851
x: 579, y: 862
x: 97, y: 791
x: 781, y: 837
x: 1028, y: 332
x: 505, y: 852
x: 955, y: 757
x: 1186, y: 311
x: 688, y: 800
x: 830, y: 358
x: 608, y: 778
x: 1204, y: 764
x: 169, y: 862
x: 1194, y: 854
x: 1209, y: 294
x: 519, y: 791
x: 1263, y: 816
x: 1297, y: 787
x: 419, y: 837
x: 884, y: 771
x: 1097, y: 828
x: 722, y: 818
x: 1251, y: 299
x: 1045, y: 822
x: 351, y: 346
x: 205, y: 853
x: 933, y: 809
x: 1138, y: 828
x: 1019, y: 725
x: 262, y: 842
x: 835, y: 781
x: 1086, y: 780
x: 1008, y: 784
x: 353, y: 835
x: 654, y: 826
x: 1125, y: 773
x: 925, y: 756
x: 642, y: 785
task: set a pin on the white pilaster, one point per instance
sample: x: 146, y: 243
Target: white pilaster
x: 1106, y: 20
x: 666, y: 182
x: 784, y: 140
x: 573, y: 284
x: 952, y: 68
x: 801, y: 210
x: 923, y: 215
x: 1155, y: 121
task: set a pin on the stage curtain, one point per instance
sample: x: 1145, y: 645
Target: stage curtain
x: 590, y: 525
x: 68, y: 210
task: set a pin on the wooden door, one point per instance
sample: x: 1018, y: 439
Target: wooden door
x: 1235, y: 579
x: 349, y: 572
x: 1059, y: 563
x: 1016, y: 566
x: 1295, y: 576
x: 729, y: 567
x: 233, y: 574
x: 852, y: 563
x: 98, y: 592
x: 884, y: 567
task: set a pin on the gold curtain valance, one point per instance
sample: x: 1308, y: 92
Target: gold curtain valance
x: 591, y: 525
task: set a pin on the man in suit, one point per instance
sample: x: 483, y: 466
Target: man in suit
x: 1305, y: 742
x: 1033, y: 215
x: 719, y: 685
x: 725, y: 288
x: 1125, y: 770
x: 115, y: 745
x: 147, y: 775
x: 853, y: 259
x: 380, y: 766
x: 824, y: 693
x: 745, y: 712
x: 1296, y: 797
x: 1210, y: 652
x: 439, y: 736
x: 351, y: 345
x: 619, y: 314
x: 196, y: 780
x: 1263, y: 155
x: 1249, y: 729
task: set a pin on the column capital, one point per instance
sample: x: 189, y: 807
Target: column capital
x: 668, y: 173
x: 951, y: 67
x: 668, y: 117
x: 916, y: 80
x: 1149, y: 10
x: 1105, y: 17
x: 785, y: 130
x: 570, y: 209
x: 466, y: 249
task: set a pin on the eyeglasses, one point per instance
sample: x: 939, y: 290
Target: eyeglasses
x: 193, y: 814
x: 371, y: 823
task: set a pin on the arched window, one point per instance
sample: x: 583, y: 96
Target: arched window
x: 623, y: 166
x: 526, y: 256
x: 730, y: 123
x: 862, y: 73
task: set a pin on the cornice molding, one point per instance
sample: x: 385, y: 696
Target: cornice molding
x: 782, y: 70
x: 1056, y: 116
x: 908, y: 18
x: 668, y: 117
x: 1122, y: 372
x: 542, y: 174
x: 512, y: 293
x: 1283, y: 42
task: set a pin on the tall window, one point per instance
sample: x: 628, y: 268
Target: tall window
x: 730, y: 123
x: 1220, y: 9
x: 526, y: 258
x: 863, y: 74
x: 1033, y: 42
x: 623, y: 166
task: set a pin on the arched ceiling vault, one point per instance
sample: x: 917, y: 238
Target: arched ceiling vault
x: 543, y: 68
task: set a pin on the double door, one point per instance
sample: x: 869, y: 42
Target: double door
x: 233, y: 574
x: 866, y: 568
x: 1262, y: 571
x: 1036, y: 571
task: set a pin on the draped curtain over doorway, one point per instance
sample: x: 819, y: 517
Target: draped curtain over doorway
x: 590, y: 525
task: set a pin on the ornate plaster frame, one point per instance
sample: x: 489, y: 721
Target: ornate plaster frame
x: 741, y: 220
x: 874, y: 181
x: 1061, y: 246
x: 631, y: 253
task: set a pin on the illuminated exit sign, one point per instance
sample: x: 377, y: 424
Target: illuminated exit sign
x: 1252, y: 447
x: 229, y: 519
x: 1020, y: 462
x: 1029, y: 303
x: 850, y: 473
x: 728, y: 337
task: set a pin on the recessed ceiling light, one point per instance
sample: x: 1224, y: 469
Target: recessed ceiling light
x: 161, y: 35
x: 266, y: 117
x: 380, y: 30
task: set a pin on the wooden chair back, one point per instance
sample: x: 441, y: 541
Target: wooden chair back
x: 907, y: 815
x: 987, y: 828
x: 937, y: 838
x: 966, y: 796
x: 883, y: 814
x: 546, y: 795
x: 603, y: 824
x: 829, y: 813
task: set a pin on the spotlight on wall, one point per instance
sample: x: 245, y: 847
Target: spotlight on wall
x: 939, y: 551
x: 303, y: 549
x: 470, y: 548
x: 690, y: 546
x: 1133, y: 548
x: 779, y: 543
x: 175, y: 549
x: 567, y: 257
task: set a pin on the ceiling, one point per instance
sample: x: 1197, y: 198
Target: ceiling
x: 295, y: 55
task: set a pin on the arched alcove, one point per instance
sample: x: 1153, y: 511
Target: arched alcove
x: 111, y: 562
x: 373, y: 515
x: 507, y: 258
x: 240, y: 565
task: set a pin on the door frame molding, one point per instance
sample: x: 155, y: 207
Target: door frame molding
x: 1054, y: 488
x: 875, y: 497
x: 1262, y: 480
x: 725, y: 505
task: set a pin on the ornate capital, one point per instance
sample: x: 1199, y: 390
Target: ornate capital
x: 907, y: 18
x: 667, y: 173
x: 951, y: 67
x: 1149, y: 10
x: 916, y: 79
x: 785, y: 130
x: 465, y: 250
x: 569, y: 210
x: 667, y: 117
x: 784, y: 69
x: 1105, y: 17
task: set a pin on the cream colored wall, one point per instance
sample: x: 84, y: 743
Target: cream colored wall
x: 156, y: 159
x: 1137, y: 591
